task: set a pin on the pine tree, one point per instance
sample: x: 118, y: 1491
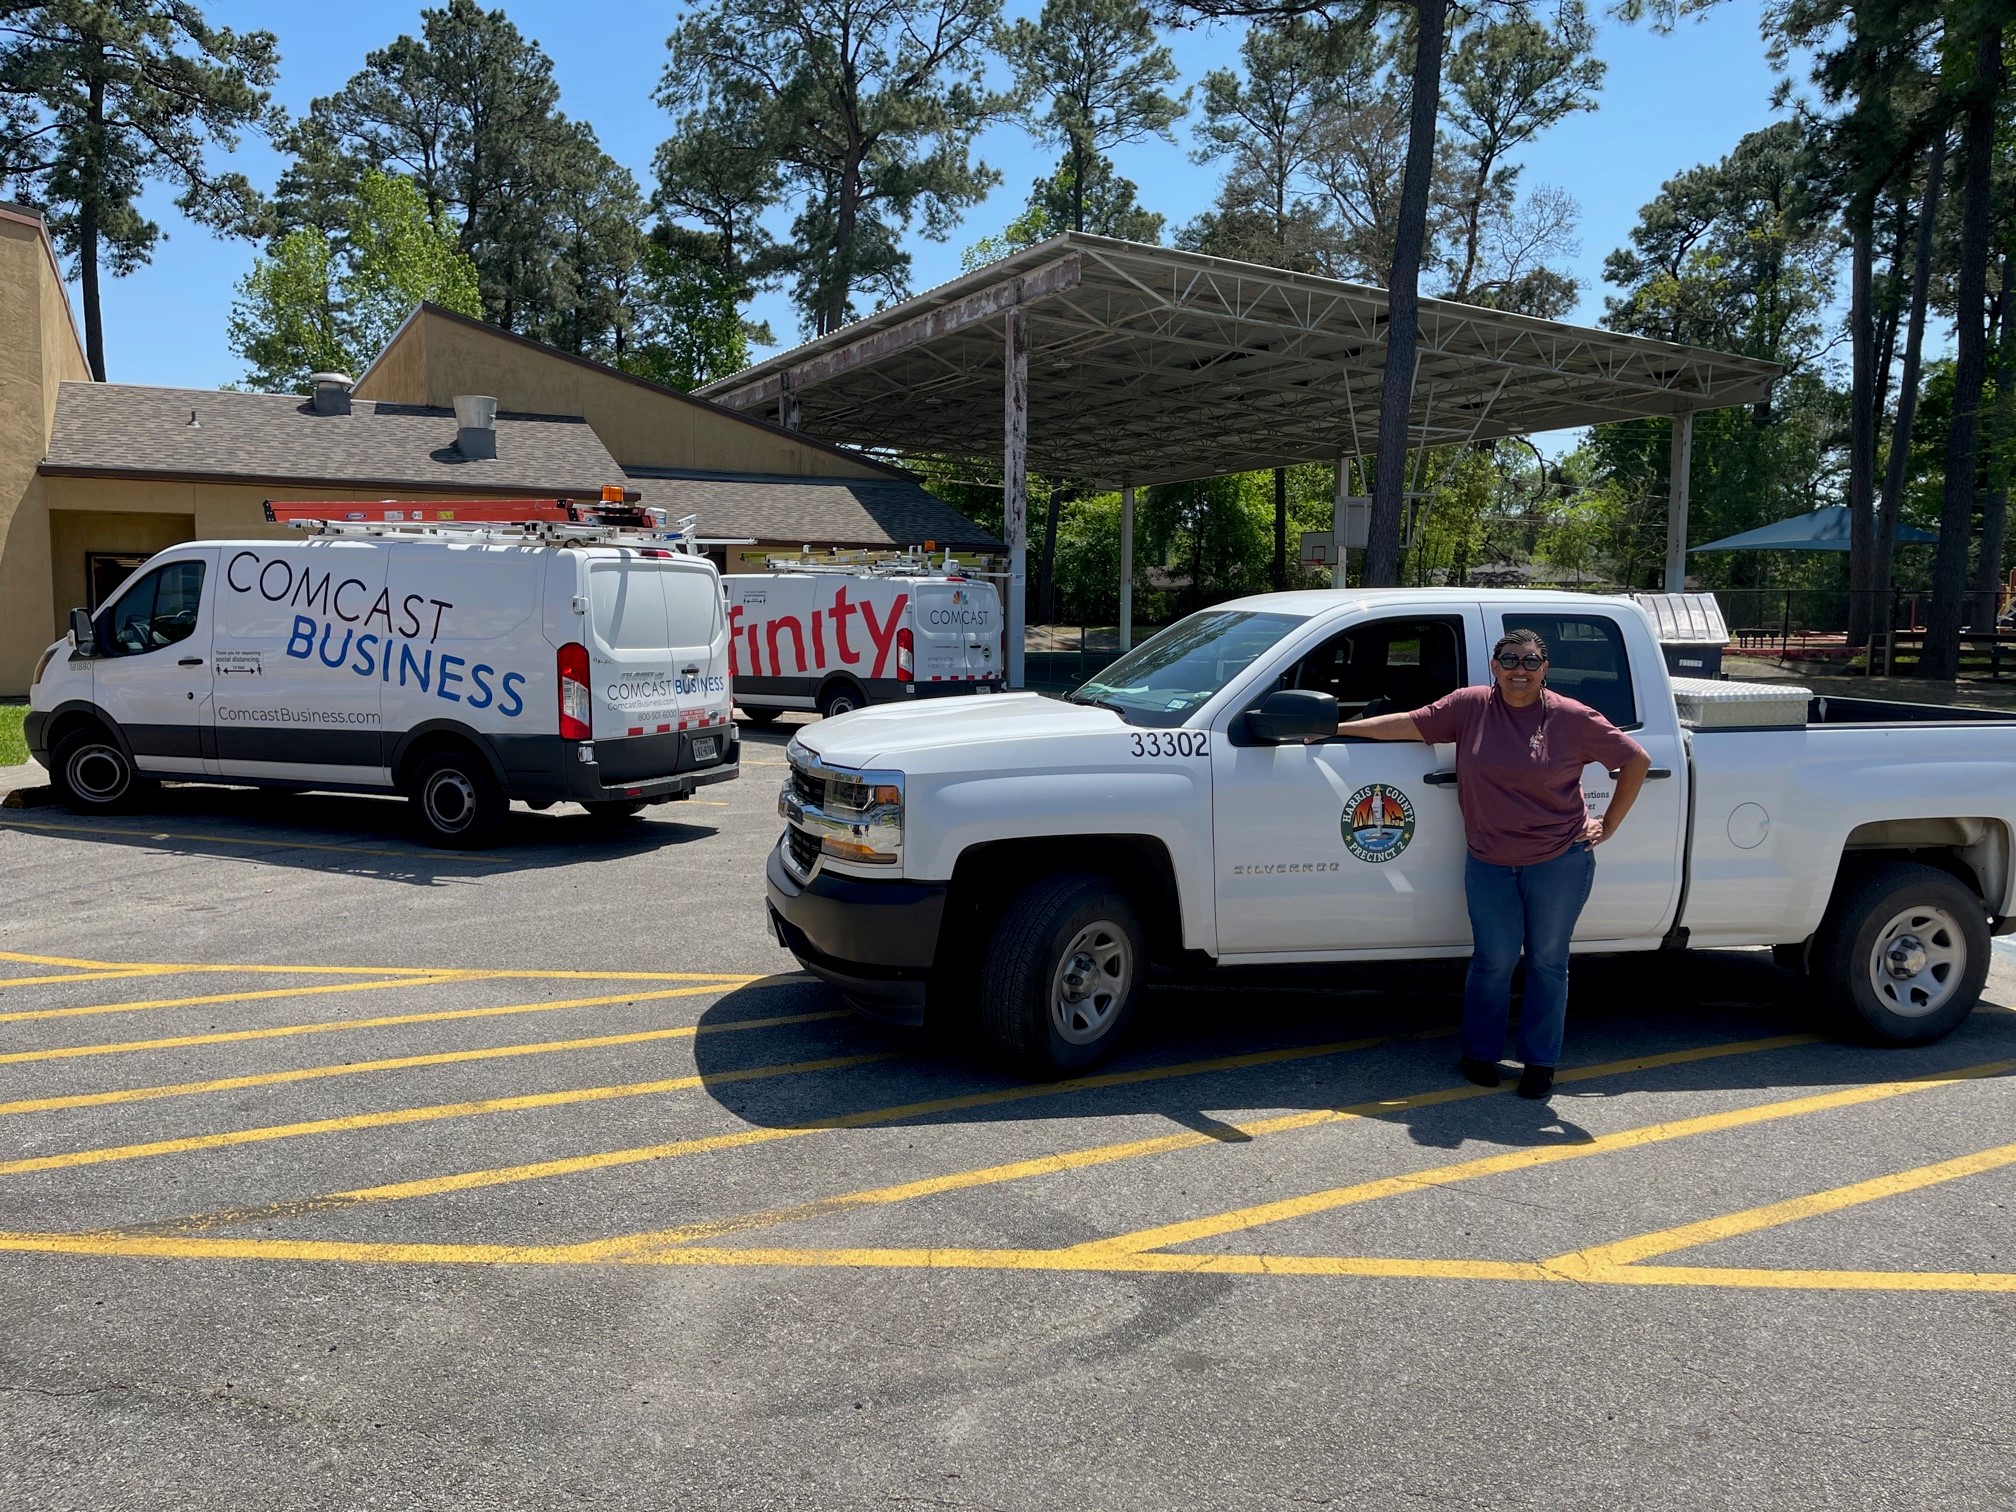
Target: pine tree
x: 106, y: 96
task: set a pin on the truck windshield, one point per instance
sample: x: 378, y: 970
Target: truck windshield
x: 1167, y: 677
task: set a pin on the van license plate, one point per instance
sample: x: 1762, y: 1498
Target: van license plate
x: 706, y: 748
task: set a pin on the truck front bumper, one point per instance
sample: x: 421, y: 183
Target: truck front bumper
x: 872, y: 938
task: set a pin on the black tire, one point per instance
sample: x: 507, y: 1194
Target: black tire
x: 762, y: 718
x: 92, y: 774
x: 1902, y: 955
x: 840, y: 698
x: 1061, y: 976
x: 614, y: 810
x: 456, y: 801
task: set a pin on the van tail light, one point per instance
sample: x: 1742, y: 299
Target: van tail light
x: 571, y: 660
x: 906, y: 656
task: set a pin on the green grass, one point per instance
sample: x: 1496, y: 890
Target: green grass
x: 13, y: 749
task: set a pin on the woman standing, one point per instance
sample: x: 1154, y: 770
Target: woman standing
x: 1520, y: 750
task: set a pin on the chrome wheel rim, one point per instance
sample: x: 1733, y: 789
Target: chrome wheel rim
x: 1918, y: 961
x: 1091, y: 982
x: 451, y: 801
x: 98, y: 773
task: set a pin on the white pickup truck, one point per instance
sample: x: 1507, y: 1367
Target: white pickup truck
x: 1026, y: 858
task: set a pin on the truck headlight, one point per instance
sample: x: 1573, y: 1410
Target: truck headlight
x: 851, y: 816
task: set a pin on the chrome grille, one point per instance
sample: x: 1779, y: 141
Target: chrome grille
x: 803, y: 848
x: 810, y: 789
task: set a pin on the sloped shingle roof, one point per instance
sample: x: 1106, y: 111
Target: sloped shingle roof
x: 127, y: 429
x: 812, y: 511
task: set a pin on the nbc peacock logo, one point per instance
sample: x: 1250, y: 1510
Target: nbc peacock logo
x: 1378, y: 823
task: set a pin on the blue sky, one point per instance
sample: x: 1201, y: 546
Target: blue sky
x: 1668, y: 103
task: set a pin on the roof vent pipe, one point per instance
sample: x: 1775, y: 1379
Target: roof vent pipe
x: 332, y: 393
x: 476, y: 426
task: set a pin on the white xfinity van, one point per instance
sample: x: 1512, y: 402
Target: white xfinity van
x: 465, y: 667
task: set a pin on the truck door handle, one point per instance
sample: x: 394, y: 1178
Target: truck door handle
x: 1440, y: 779
x: 190, y: 661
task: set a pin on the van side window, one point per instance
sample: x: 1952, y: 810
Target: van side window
x: 1586, y: 662
x: 1385, y: 667
x: 157, y: 611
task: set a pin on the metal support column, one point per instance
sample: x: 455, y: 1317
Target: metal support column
x: 1339, y: 572
x: 1677, y: 472
x: 1015, y: 484
x: 1126, y: 567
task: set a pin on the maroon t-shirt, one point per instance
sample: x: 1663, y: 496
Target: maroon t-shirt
x: 1519, y: 771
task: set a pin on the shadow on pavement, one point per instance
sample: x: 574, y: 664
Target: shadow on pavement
x: 1625, y: 1009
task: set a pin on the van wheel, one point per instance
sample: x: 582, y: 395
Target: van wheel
x: 761, y: 718
x: 1903, y: 954
x: 92, y: 775
x: 1061, y: 976
x: 457, y: 801
x: 610, y: 810
x: 841, y: 698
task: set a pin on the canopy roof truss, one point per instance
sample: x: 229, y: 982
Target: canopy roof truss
x: 1152, y: 365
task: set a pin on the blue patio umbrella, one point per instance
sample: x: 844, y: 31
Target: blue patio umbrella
x: 1825, y: 529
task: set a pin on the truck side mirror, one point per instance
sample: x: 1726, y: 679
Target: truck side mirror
x: 83, y: 632
x: 1292, y: 714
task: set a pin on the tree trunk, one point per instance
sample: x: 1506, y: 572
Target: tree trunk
x: 1280, y: 528
x: 1995, y: 503
x: 846, y: 213
x: 1403, y: 286
x: 1046, y: 582
x: 1956, y: 512
x: 93, y: 188
x: 1861, y: 430
x: 1898, y: 463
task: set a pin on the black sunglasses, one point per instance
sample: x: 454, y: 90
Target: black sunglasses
x: 1532, y: 661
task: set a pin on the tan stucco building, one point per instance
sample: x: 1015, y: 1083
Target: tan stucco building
x: 96, y: 477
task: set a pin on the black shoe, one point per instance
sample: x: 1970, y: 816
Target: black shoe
x: 1482, y: 1072
x: 1536, y: 1082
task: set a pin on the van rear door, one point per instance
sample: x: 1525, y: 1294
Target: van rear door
x: 658, y: 658
x: 958, y: 626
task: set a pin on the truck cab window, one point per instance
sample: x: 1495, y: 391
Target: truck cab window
x: 157, y: 611
x: 1385, y: 667
x: 1587, y: 662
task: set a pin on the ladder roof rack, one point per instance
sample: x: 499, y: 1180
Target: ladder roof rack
x: 540, y: 522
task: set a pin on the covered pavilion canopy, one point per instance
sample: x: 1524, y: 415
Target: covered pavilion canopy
x: 1123, y: 364
x: 1153, y: 365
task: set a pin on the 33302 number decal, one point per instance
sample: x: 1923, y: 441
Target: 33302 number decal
x: 1171, y: 743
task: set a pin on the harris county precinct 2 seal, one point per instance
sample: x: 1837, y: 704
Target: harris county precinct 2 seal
x: 1378, y: 823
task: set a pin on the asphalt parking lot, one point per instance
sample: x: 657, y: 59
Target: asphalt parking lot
x: 339, y: 1172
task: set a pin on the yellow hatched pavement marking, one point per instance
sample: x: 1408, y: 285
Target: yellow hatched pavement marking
x: 396, y: 1116
x: 1774, y: 1214
x: 1239, y: 1220
x: 401, y: 1063
x: 473, y: 973
x: 263, y: 994
x: 638, y: 1245
x: 434, y: 1186
x: 334, y: 1026
x: 125, y: 975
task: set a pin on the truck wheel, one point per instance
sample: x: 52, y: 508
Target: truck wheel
x: 1061, y: 976
x: 1903, y: 954
x: 611, y: 810
x: 457, y: 801
x: 92, y: 775
x: 761, y: 718
x: 840, y: 698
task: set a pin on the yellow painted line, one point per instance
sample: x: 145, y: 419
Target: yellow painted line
x: 335, y: 1026
x: 401, y: 1063
x: 192, y: 1247
x: 1792, y: 1210
x: 638, y: 1245
x: 80, y: 976
x: 1239, y: 1220
x: 393, y: 1117
x: 435, y: 1186
x: 471, y: 973
x: 263, y: 994
x: 474, y: 858
x: 45, y: 960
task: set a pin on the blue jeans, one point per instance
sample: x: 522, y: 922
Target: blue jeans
x: 1534, y: 907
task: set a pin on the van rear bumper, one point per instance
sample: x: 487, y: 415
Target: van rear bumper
x: 547, y: 767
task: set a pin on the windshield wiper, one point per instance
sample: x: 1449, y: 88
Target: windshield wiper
x: 1096, y: 703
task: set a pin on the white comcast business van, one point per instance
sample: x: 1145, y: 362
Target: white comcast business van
x: 834, y: 639
x: 465, y: 667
